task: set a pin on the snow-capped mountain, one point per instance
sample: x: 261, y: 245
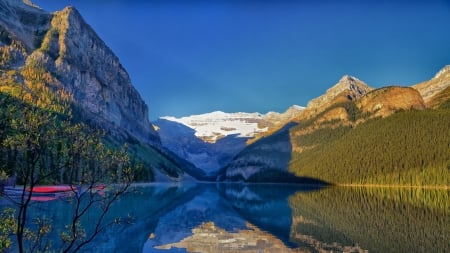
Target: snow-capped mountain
x: 211, y: 140
x: 211, y: 127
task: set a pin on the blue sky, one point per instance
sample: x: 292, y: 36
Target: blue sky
x: 192, y: 57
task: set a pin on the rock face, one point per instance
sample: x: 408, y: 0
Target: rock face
x: 438, y: 83
x: 79, y: 62
x: 21, y: 29
x: 386, y: 101
x: 440, y: 100
x: 22, y: 23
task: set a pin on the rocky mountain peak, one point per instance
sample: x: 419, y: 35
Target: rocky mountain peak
x: 353, y: 85
x: 432, y: 87
x: 443, y: 73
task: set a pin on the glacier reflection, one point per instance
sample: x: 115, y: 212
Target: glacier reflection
x: 228, y: 218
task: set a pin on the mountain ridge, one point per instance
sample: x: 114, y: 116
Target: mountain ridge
x: 341, y: 114
x: 211, y: 127
x: 356, y: 87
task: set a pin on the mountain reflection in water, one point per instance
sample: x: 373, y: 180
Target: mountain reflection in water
x: 286, y: 218
x: 269, y: 218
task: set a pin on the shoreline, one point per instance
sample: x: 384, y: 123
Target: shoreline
x: 435, y: 187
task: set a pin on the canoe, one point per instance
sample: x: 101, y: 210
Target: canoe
x: 53, y: 188
x: 42, y: 194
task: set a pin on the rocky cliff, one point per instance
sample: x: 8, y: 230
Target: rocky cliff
x: 78, y: 62
x: 388, y: 100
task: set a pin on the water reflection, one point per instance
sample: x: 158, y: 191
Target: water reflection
x: 270, y: 218
x: 210, y: 238
x: 292, y: 219
x: 376, y: 219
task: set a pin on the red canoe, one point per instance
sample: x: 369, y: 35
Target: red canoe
x: 53, y: 188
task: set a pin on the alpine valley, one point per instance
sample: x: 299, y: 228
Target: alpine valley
x: 352, y: 134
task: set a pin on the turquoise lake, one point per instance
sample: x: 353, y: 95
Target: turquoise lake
x: 263, y: 218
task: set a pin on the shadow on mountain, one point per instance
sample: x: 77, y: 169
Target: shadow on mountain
x: 266, y: 161
x: 207, y: 157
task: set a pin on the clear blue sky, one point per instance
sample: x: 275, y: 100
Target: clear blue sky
x: 191, y: 57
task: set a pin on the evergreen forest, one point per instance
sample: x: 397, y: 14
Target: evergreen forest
x: 408, y: 148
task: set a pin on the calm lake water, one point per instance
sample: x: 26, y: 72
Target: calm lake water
x: 267, y: 218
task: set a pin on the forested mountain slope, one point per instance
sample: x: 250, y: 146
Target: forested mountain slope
x: 382, y: 136
x: 407, y: 148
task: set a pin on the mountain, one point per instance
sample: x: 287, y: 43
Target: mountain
x: 210, y: 141
x: 211, y: 127
x: 387, y: 136
x: 60, y: 53
x: 348, y: 88
x: 81, y: 64
x: 354, y: 134
x: 268, y: 159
